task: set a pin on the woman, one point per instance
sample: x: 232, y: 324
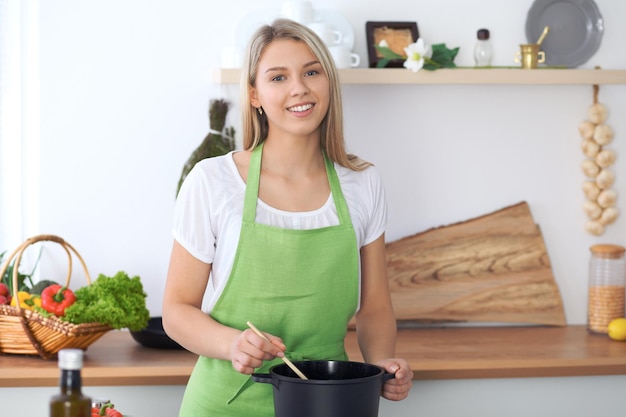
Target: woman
x: 291, y: 232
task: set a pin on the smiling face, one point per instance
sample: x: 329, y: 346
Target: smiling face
x: 292, y: 89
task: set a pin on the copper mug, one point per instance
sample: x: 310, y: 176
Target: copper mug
x: 530, y: 55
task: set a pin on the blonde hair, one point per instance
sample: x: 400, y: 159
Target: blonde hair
x: 255, y: 126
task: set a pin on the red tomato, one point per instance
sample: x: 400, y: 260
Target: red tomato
x: 112, y: 412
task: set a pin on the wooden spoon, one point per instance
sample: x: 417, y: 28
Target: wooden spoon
x: 284, y: 358
x: 543, y: 35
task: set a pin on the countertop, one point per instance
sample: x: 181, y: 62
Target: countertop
x: 434, y: 353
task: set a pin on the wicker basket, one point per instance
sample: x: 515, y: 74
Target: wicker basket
x: 27, y: 332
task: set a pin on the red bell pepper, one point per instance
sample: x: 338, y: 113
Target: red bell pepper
x: 56, y: 298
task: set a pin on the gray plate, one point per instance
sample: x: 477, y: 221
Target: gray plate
x: 576, y: 29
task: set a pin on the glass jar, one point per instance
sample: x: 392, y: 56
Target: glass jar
x: 607, y: 276
x: 483, y: 51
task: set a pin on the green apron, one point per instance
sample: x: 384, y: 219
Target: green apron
x: 301, y: 285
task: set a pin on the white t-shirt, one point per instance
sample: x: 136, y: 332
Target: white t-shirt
x: 209, y: 208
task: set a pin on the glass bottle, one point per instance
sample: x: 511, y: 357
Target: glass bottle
x: 70, y: 401
x: 483, y: 51
x: 607, y: 276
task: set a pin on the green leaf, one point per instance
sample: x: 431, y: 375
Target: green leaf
x: 24, y: 281
x: 388, y: 53
x: 387, y: 56
x: 442, y: 57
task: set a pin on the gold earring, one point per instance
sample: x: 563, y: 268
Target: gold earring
x: 260, y: 110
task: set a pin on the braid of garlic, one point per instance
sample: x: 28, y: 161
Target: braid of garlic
x: 600, y: 205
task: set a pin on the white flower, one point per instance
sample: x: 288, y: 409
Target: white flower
x: 383, y: 44
x: 416, y: 53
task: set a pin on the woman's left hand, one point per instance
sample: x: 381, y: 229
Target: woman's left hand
x: 397, y: 388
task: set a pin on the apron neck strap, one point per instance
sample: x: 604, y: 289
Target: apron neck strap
x: 335, y: 187
x: 252, y: 184
x: 254, y: 176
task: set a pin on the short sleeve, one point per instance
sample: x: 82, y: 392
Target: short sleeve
x: 365, y: 195
x: 192, y: 217
x: 377, y: 223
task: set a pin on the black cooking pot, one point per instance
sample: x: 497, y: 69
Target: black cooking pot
x: 333, y: 389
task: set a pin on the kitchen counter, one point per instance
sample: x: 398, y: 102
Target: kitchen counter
x: 434, y: 354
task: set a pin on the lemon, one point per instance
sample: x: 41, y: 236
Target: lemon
x: 617, y: 329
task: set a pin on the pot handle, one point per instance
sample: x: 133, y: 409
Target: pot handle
x: 387, y: 376
x: 263, y: 378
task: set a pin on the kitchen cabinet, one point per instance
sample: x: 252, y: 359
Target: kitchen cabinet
x: 546, y: 76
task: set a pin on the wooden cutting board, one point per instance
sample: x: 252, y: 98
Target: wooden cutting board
x: 493, y: 268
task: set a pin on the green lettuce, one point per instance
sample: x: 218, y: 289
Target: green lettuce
x: 118, y: 301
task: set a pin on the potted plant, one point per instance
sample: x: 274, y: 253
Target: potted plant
x: 219, y: 141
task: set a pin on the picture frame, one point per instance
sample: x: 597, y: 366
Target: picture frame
x: 397, y: 34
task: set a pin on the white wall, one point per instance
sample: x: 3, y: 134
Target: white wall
x: 125, y: 87
x: 124, y: 99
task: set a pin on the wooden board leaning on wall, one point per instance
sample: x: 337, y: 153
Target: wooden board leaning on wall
x: 492, y: 268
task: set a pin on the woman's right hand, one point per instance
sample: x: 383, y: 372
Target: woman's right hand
x: 249, y: 350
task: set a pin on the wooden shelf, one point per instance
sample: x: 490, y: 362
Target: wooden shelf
x: 539, y: 76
